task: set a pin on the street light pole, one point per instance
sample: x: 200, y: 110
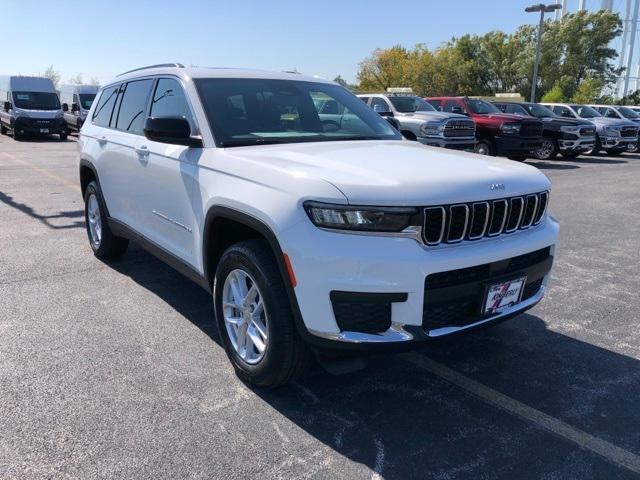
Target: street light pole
x: 542, y: 8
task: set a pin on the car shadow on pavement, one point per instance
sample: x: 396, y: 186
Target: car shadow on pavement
x: 401, y: 419
x: 552, y: 166
x: 598, y: 160
x: 46, y: 219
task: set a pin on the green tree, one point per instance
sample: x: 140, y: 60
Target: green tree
x: 53, y: 75
x: 554, y: 95
x: 588, y: 91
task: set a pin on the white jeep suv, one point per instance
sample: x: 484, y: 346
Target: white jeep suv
x: 308, y: 235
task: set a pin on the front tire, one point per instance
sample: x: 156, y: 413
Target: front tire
x: 254, y: 316
x: 104, y: 243
x: 3, y: 130
x: 484, y: 147
x: 548, y: 150
x: 63, y: 136
x: 596, y: 148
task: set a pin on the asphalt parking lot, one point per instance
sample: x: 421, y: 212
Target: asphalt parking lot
x: 115, y: 371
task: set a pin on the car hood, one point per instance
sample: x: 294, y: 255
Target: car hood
x: 505, y: 117
x: 43, y: 114
x: 566, y: 121
x: 397, y: 172
x: 433, y: 116
x: 608, y: 122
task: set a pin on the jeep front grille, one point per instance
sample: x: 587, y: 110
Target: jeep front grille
x: 472, y: 221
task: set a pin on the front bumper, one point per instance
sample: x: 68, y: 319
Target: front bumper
x: 516, y: 145
x: 38, y: 126
x: 326, y: 262
x: 579, y: 144
x: 616, y: 143
x: 454, y: 143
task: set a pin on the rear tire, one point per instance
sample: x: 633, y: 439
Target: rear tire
x: 63, y: 136
x: 266, y: 315
x: 104, y: 243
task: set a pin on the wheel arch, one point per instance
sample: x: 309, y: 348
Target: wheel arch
x: 244, y: 226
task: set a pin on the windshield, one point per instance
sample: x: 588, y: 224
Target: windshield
x: 585, y: 112
x: 86, y: 99
x: 254, y: 111
x: 411, y: 104
x: 36, y: 100
x: 480, y: 106
x: 628, y: 113
x: 539, y: 111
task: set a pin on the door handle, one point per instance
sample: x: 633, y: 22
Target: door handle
x: 102, y: 140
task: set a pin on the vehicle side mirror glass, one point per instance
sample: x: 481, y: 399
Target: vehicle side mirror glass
x: 74, y: 107
x: 7, y: 106
x: 382, y: 110
x: 65, y: 107
x: 171, y: 130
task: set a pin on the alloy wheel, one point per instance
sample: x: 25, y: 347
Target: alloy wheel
x: 95, y: 221
x: 545, y: 150
x: 245, y: 316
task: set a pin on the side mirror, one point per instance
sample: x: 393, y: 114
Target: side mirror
x: 171, y: 130
x: 457, y: 109
x: 382, y: 110
x: 74, y: 107
x: 65, y: 107
x: 7, y: 106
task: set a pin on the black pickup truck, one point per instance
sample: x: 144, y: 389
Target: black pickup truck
x: 570, y: 137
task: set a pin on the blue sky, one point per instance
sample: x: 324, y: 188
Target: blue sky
x: 103, y: 38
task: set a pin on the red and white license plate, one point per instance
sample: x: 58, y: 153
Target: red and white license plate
x: 503, y: 295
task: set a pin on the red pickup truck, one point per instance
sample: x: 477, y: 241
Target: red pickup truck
x: 497, y: 133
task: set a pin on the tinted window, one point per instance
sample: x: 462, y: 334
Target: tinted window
x: 452, y: 106
x: 102, y: 113
x: 364, y: 99
x: 86, y: 99
x: 481, y: 107
x: 435, y: 104
x: 131, y: 115
x: 169, y: 100
x: 383, y: 106
x: 406, y: 104
x: 36, y: 100
x: 245, y: 111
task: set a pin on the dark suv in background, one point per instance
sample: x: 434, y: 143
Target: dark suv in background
x: 497, y: 133
x: 567, y: 136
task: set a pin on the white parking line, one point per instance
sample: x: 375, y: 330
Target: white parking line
x: 609, y: 451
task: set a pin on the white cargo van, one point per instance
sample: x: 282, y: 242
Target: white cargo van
x: 76, y: 101
x: 30, y: 106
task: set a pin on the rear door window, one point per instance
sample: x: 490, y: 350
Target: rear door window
x: 133, y: 107
x: 104, y: 108
x: 382, y: 104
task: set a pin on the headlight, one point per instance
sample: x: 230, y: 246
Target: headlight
x: 431, y: 128
x: 371, y: 219
x: 570, y: 129
x: 612, y: 131
x: 510, y: 128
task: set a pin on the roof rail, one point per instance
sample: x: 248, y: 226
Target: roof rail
x: 159, y: 65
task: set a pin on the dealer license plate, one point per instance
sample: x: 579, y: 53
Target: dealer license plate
x: 503, y: 295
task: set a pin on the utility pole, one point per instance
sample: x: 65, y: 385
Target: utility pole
x: 632, y: 43
x: 542, y: 8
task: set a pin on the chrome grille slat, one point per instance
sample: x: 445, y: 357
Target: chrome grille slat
x: 484, y: 206
x: 429, y: 211
x: 454, y: 217
x: 529, y: 212
x: 446, y: 224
